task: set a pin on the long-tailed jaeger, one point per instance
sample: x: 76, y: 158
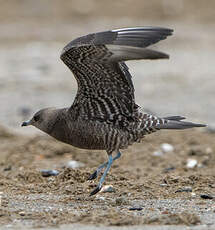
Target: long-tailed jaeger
x: 104, y: 115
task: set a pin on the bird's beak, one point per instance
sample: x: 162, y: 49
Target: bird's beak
x: 26, y: 123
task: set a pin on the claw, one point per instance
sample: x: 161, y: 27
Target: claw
x: 93, y: 176
x: 96, y: 190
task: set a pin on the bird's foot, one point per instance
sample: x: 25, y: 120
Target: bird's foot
x: 93, y: 175
x: 96, y: 190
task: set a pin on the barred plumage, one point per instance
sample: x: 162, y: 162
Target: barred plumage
x: 104, y: 114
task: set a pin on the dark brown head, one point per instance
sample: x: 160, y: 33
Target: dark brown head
x: 44, y: 119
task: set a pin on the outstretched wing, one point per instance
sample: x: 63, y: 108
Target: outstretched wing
x: 105, y: 88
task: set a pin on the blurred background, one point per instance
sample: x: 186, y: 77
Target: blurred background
x: 32, y: 34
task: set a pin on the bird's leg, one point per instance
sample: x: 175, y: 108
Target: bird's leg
x: 99, y: 169
x: 99, y: 186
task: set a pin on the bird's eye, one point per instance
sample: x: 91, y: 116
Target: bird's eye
x: 36, y: 118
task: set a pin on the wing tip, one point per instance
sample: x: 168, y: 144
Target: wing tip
x: 157, y: 55
x: 145, y: 28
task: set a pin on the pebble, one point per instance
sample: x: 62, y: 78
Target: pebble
x: 166, y: 170
x: 165, y: 147
x: 206, y: 196
x: 74, y: 164
x: 158, y: 153
x: 47, y: 172
x: 191, y: 163
x: 100, y: 198
x: 135, y: 209
x: 8, y: 168
x: 185, y: 189
x: 193, y: 194
x: 163, y: 185
x: 211, y: 185
x: 108, y: 188
x: 165, y: 212
x: 22, y: 213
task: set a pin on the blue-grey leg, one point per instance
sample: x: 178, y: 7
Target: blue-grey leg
x: 99, y: 186
x: 99, y: 169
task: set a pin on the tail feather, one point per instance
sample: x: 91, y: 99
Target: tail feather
x: 175, y: 122
x: 174, y: 118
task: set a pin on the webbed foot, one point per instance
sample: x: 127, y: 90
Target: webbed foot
x: 96, y: 190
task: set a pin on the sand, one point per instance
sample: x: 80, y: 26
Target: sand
x: 140, y: 179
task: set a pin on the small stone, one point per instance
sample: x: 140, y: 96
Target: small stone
x: 211, y: 185
x: 108, y: 188
x: 100, y: 198
x: 193, y: 194
x: 22, y: 213
x: 158, y: 153
x: 165, y: 147
x: 165, y: 212
x: 185, y: 189
x: 191, y: 163
x: 135, y: 209
x: 8, y: 168
x: 47, y: 172
x: 166, y: 170
x: 74, y: 164
x: 206, y: 196
x: 163, y: 185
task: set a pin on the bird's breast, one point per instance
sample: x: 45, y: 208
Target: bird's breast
x: 82, y: 134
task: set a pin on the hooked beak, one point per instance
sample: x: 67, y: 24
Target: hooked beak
x: 26, y: 123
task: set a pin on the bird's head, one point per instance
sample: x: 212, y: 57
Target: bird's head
x: 44, y: 119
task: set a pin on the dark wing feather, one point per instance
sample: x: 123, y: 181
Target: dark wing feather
x: 105, y: 88
x: 138, y: 37
x: 125, y: 70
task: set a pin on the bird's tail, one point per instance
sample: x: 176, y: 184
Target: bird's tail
x: 175, y: 122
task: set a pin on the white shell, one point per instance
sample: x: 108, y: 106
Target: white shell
x: 191, y: 163
x: 167, y: 147
x: 108, y: 188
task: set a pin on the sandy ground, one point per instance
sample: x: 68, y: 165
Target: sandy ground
x: 140, y: 180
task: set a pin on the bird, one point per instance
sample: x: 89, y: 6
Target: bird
x: 104, y: 114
